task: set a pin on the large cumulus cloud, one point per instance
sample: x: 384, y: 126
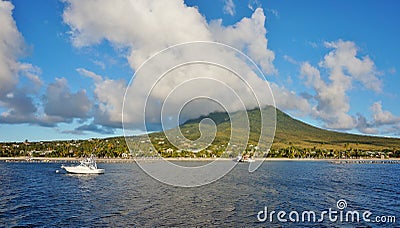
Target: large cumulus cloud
x: 145, y: 27
x: 16, y: 103
x: 343, y: 67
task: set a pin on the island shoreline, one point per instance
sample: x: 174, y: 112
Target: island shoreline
x: 131, y: 160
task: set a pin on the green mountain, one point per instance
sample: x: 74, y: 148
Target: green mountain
x: 294, y: 132
x: 290, y: 132
x: 293, y: 138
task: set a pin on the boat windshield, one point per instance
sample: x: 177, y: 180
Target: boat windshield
x: 89, y: 162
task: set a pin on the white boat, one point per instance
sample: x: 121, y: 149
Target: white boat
x: 244, y: 158
x: 87, y: 166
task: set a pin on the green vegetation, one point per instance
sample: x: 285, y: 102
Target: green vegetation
x: 107, y: 148
x: 293, y: 139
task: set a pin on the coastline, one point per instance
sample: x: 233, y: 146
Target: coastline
x: 131, y: 160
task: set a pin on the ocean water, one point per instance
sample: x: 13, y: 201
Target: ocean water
x: 33, y: 194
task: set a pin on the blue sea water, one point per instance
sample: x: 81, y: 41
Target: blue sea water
x: 33, y: 194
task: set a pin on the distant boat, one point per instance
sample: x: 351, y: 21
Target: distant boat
x: 244, y: 158
x: 87, y: 166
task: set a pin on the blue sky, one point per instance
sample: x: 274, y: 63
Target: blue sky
x: 64, y: 64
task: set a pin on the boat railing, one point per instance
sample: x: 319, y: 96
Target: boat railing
x: 89, y: 162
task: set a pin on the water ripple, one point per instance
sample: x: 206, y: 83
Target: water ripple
x: 35, y: 195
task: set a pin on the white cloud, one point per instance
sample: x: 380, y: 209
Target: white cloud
x: 248, y: 34
x: 184, y: 84
x: 11, y: 47
x: 273, y: 12
x: 365, y: 126
x: 100, y: 64
x: 92, y: 127
x: 134, y: 24
x: 229, y: 7
x: 60, y: 102
x: 344, y: 60
x: 20, y: 108
x: 289, y: 100
x: 32, y: 73
x: 89, y: 74
x: 382, y: 121
x: 343, y: 68
x: 254, y: 4
x: 142, y: 28
x: 290, y: 59
x: 109, y: 96
x: 145, y: 27
x: 382, y: 117
x: 392, y: 130
x: 332, y: 102
x: 15, y: 97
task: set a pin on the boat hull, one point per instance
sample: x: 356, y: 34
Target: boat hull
x: 244, y: 159
x: 82, y: 170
